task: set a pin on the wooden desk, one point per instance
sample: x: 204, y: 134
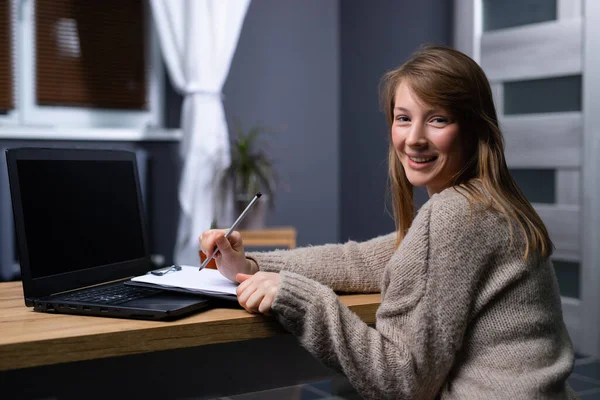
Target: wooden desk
x: 270, y: 237
x: 30, y: 339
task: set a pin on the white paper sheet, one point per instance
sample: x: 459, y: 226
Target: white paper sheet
x: 205, y: 281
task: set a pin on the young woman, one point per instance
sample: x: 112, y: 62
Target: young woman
x: 470, y: 307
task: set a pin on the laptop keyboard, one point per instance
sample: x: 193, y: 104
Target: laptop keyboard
x: 110, y: 294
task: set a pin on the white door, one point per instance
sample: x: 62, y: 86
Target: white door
x: 539, y: 57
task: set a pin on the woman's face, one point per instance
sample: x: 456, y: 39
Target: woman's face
x: 426, y: 140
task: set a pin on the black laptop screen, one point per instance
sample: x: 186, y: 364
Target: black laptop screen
x: 79, y: 214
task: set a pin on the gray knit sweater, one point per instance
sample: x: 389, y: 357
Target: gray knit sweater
x: 462, y: 315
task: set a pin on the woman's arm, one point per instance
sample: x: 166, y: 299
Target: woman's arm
x: 349, y: 267
x: 379, y: 361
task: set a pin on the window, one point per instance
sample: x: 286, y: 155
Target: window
x: 538, y: 185
x: 84, y: 64
x: 501, y: 14
x: 546, y: 95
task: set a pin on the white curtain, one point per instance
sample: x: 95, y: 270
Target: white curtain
x: 198, y: 39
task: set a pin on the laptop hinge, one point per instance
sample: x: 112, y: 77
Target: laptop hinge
x: 91, y: 286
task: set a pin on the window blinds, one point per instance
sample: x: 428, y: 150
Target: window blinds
x: 6, y: 57
x: 91, y: 53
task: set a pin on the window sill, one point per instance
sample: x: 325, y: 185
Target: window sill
x: 101, y: 134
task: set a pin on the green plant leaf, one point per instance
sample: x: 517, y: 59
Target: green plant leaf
x: 251, y: 168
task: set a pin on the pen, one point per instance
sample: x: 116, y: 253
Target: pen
x: 235, y: 224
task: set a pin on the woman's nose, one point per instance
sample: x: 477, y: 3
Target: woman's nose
x: 416, y: 136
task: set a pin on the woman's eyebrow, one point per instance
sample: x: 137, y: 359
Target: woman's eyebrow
x: 427, y: 112
x: 437, y: 111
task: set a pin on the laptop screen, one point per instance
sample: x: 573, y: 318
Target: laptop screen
x: 79, y: 214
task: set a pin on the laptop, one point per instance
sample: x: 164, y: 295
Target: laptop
x: 81, y: 234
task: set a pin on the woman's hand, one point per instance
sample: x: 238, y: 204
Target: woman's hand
x: 257, y: 292
x: 231, y: 259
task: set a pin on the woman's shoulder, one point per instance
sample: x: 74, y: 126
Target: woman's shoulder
x: 461, y: 201
x: 460, y: 220
x: 466, y: 208
x: 453, y: 199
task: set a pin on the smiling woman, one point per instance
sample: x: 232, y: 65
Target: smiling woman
x: 470, y: 307
x: 426, y: 141
x: 455, y: 120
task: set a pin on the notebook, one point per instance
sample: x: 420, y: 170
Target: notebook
x: 81, y: 233
x: 188, y: 279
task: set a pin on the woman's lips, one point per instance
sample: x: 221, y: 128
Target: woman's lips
x: 420, y: 162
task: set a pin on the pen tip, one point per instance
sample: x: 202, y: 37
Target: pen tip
x: 258, y: 194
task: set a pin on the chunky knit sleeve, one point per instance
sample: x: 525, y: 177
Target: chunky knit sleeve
x: 350, y: 267
x: 430, y: 296
x: 378, y: 361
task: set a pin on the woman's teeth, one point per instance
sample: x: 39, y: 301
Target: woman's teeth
x: 422, y: 159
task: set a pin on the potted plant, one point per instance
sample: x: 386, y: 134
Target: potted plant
x: 251, y: 171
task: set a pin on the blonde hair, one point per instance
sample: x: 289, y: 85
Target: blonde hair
x: 446, y: 78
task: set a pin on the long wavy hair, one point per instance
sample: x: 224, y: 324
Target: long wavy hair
x: 448, y: 79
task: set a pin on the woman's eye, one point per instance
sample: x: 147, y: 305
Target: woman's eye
x: 402, y: 118
x: 439, y: 120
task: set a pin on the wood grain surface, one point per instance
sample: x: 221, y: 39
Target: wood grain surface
x: 30, y: 339
x: 270, y: 237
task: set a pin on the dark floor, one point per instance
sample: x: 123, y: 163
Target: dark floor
x: 585, y: 380
x: 332, y: 389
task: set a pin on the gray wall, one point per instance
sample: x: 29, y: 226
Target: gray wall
x: 285, y: 74
x: 373, y: 41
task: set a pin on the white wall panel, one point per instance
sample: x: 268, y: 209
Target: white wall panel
x: 543, y: 140
x: 562, y: 222
x: 498, y: 93
x: 567, y: 186
x: 466, y: 37
x: 555, y: 141
x: 569, y: 9
x: 533, y: 51
x: 590, y: 262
